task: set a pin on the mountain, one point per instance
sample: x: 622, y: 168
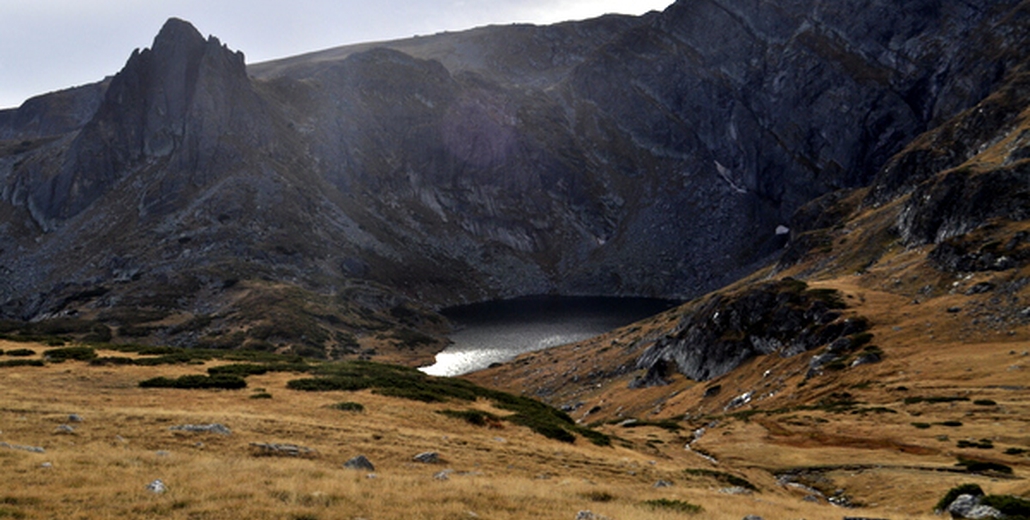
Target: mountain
x: 328, y: 203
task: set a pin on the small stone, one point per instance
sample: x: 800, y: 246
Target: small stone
x: 753, y: 517
x: 64, y: 429
x: 953, y: 310
x: 588, y: 515
x: 76, y: 418
x: 163, y: 453
x: 427, y: 457
x: 157, y: 487
x: 811, y: 498
x: 662, y: 484
x: 443, y: 475
x: 46, y: 465
x: 360, y: 462
x: 219, y: 429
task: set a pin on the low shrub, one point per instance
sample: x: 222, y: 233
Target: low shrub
x: 58, y: 355
x: 982, y: 444
x: 921, y: 425
x: 979, y: 466
x: 22, y: 363
x: 953, y: 493
x: 473, y: 417
x: 726, y: 478
x: 21, y: 352
x: 598, y: 496
x: 227, y: 382
x: 985, y: 402
x: 348, y: 406
x: 1010, y: 506
x: 951, y: 424
x: 409, y: 383
x: 261, y: 395
x: 667, y: 424
x: 1015, y: 451
x: 932, y: 400
x: 673, y: 505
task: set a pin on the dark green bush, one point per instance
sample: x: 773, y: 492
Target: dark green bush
x: 721, y: 476
x: 99, y: 333
x: 22, y: 363
x: 595, y: 436
x: 985, y: 402
x: 1009, y: 505
x: 226, y: 382
x: 933, y: 400
x: 473, y: 417
x: 982, y: 444
x: 239, y: 370
x: 58, y: 355
x: 667, y: 424
x: 673, y: 505
x: 921, y: 425
x: 261, y: 395
x: 348, y: 406
x: 1015, y: 451
x: 409, y: 383
x: 21, y: 352
x: 953, y: 493
x: 951, y: 424
x: 979, y: 466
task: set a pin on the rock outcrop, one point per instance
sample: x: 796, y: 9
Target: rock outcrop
x: 721, y: 333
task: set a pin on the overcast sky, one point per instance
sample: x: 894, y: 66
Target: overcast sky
x: 48, y: 45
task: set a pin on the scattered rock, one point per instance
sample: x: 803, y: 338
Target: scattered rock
x: 953, y: 310
x: 157, y: 487
x: 588, y: 515
x: 866, y: 359
x: 215, y: 428
x: 75, y: 418
x: 360, y: 462
x: 969, y: 506
x: 46, y: 465
x: 427, y: 457
x: 443, y: 475
x: 753, y: 517
x: 812, y: 498
x: 163, y: 453
x: 31, y: 449
x: 735, y: 490
x: 740, y: 400
x: 980, y: 288
x: 283, y: 450
x: 662, y: 484
x: 64, y: 429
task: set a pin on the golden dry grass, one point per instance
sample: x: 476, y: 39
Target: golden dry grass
x: 101, y: 470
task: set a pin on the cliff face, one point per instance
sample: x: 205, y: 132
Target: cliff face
x: 624, y: 156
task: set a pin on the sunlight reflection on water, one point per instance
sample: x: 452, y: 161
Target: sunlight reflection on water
x: 496, y: 332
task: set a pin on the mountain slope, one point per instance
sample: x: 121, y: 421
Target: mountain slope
x: 649, y: 156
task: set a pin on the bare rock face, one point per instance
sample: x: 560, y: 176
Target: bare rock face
x: 778, y: 317
x: 650, y: 156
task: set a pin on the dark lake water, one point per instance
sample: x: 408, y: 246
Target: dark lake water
x: 495, y: 332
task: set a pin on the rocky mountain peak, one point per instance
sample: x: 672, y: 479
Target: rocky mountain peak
x: 163, y: 104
